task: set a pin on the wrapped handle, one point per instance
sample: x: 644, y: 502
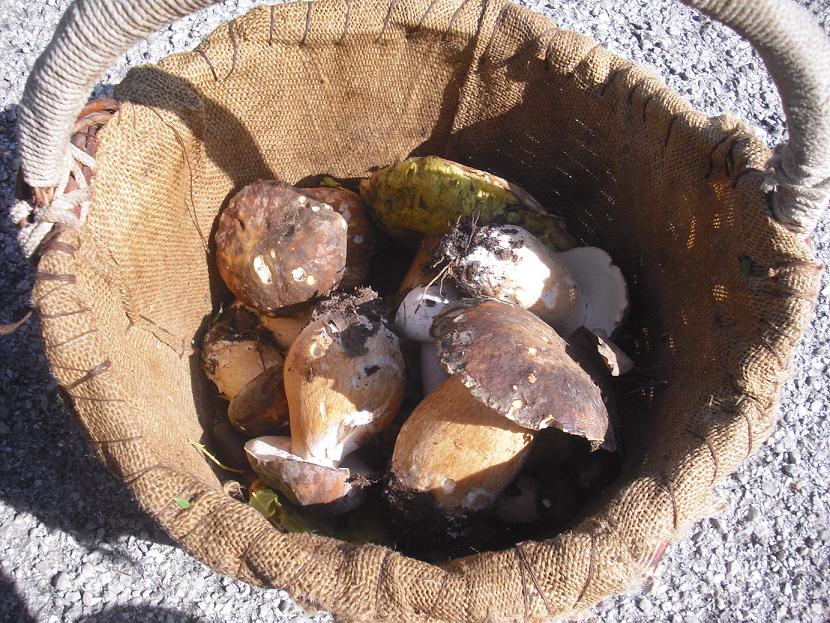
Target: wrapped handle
x: 93, y: 33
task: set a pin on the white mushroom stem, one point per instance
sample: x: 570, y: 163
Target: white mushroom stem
x: 420, y: 307
x: 603, y: 288
x: 432, y: 372
x: 459, y: 450
x: 509, y: 263
x: 517, y: 504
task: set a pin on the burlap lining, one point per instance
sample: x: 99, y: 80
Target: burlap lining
x: 720, y: 292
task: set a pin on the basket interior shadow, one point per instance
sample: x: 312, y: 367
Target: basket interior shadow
x: 719, y: 291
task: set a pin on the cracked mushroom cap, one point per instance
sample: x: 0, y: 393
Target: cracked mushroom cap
x: 361, y: 238
x: 344, y: 378
x: 307, y: 484
x: 603, y: 288
x: 234, y: 353
x: 260, y: 407
x: 517, y: 365
x: 276, y: 246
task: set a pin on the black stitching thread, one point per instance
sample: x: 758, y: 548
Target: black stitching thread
x: 703, y: 439
x: 235, y: 44
x: 612, y: 77
x: 525, y: 563
x: 590, y: 575
x: 43, y: 276
x: 309, y: 9
x: 345, y: 22
x: 192, y: 211
x: 420, y: 24
x: 70, y: 340
x: 668, y: 487
x: 381, y: 572
x: 89, y: 375
x: 386, y: 19
x: 204, y: 56
x: 107, y: 442
x: 63, y: 314
x: 453, y: 17
x: 440, y: 596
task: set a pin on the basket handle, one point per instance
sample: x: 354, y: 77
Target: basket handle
x: 93, y: 33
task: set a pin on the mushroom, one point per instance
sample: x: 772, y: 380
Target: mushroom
x: 432, y: 373
x: 514, y: 363
x: 324, y: 488
x: 276, y: 246
x: 452, y: 459
x: 613, y: 359
x: 421, y: 269
x: 603, y: 288
x: 517, y: 503
x: 285, y: 329
x: 260, y: 407
x: 414, y: 320
x: 361, y: 238
x: 234, y: 353
x: 551, y: 448
x: 344, y: 378
x: 559, y: 499
x: 509, y: 263
x: 425, y: 196
x: 227, y: 443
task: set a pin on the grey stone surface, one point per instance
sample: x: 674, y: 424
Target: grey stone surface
x: 74, y: 547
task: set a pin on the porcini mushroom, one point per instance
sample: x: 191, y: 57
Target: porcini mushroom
x: 260, y: 407
x: 234, y: 353
x: 324, y: 488
x: 344, y: 378
x: 414, y: 320
x: 509, y: 263
x: 452, y: 459
x: 603, y: 288
x: 276, y: 246
x: 285, y: 329
x: 514, y: 363
x: 517, y: 504
x: 426, y: 195
x: 361, y: 238
x: 421, y: 269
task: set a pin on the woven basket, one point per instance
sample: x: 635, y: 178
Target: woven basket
x: 707, y: 229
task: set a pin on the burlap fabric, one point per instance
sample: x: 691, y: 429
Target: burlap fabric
x: 720, y: 291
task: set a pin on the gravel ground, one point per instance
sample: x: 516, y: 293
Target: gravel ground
x: 73, y: 547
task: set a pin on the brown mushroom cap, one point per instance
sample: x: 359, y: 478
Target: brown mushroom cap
x: 260, y: 407
x: 344, y: 378
x: 285, y: 329
x: 233, y: 353
x: 517, y: 365
x: 276, y: 246
x: 361, y: 237
x: 304, y: 483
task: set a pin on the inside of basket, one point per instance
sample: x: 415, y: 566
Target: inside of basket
x: 629, y: 167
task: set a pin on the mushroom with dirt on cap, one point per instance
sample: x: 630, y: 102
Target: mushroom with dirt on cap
x: 344, y: 378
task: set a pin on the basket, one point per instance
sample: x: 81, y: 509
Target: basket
x: 708, y: 227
